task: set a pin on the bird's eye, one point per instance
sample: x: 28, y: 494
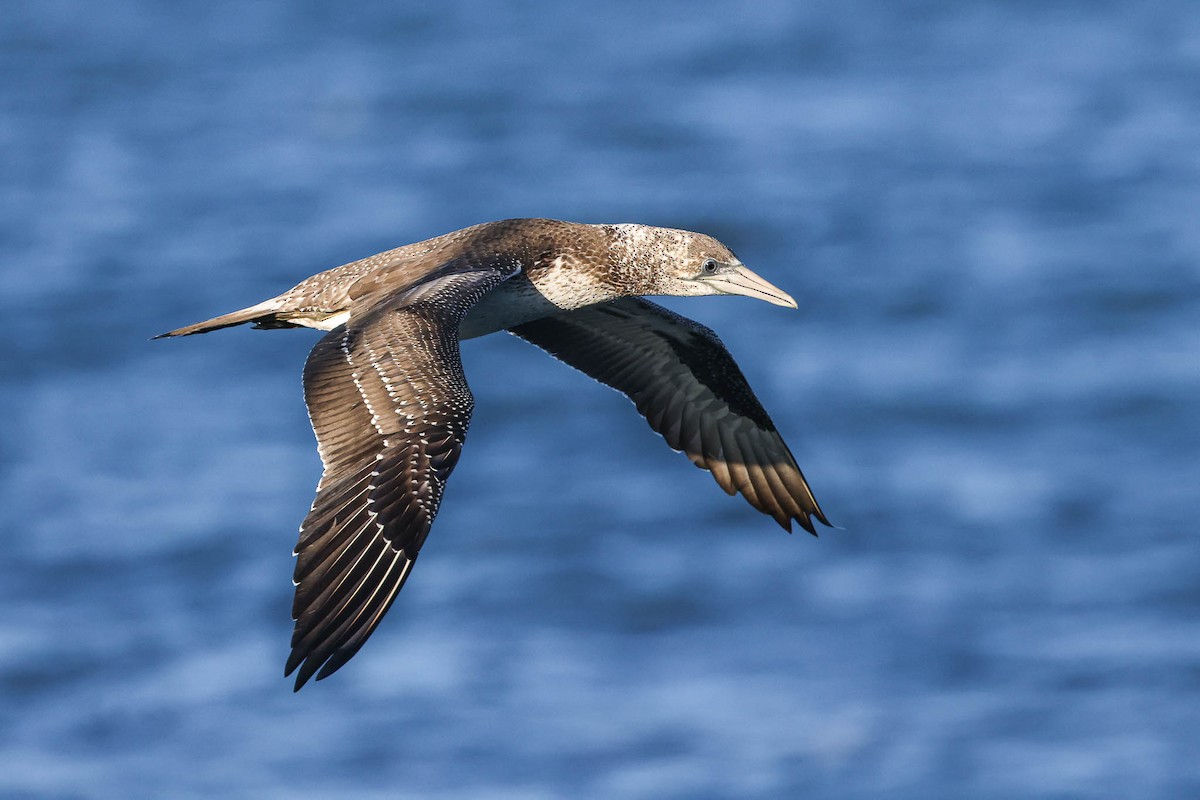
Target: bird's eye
x: 709, y: 265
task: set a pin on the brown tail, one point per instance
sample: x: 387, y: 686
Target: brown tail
x: 262, y: 311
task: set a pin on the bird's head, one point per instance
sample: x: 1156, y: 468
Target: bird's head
x: 686, y: 264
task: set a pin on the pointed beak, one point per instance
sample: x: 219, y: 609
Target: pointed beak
x: 741, y: 280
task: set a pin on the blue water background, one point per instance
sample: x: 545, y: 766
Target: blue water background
x: 989, y: 213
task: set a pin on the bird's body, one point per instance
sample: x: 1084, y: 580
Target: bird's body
x: 390, y: 405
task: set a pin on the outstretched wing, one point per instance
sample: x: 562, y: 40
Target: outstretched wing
x: 390, y: 407
x: 690, y: 390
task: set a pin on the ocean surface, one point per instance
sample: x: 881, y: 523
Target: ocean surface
x: 989, y: 213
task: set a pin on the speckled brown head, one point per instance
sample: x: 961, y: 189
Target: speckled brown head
x: 668, y: 261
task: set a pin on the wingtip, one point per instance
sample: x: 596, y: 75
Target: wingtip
x: 826, y: 523
x: 302, y: 677
x: 820, y: 515
x: 310, y: 668
x: 294, y: 661
x: 806, y: 522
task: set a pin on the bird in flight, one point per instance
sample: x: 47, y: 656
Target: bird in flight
x: 390, y: 406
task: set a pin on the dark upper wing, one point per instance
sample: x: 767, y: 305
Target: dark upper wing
x: 390, y: 407
x: 690, y: 390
